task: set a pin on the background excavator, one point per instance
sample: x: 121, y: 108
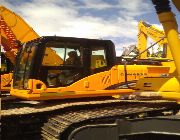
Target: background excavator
x: 80, y: 118
x: 163, y: 54
x: 146, y: 31
x: 14, y: 30
x: 142, y: 52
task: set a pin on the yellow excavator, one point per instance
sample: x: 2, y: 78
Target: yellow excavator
x: 13, y: 31
x: 12, y: 24
x: 60, y: 80
x: 35, y: 79
x: 133, y: 116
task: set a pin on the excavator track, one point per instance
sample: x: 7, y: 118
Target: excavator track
x: 56, y: 119
x: 60, y: 126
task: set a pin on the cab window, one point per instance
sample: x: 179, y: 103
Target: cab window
x: 98, y: 57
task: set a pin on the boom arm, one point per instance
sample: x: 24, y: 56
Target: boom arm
x: 14, y: 28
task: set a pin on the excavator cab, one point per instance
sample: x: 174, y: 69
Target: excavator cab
x: 61, y: 61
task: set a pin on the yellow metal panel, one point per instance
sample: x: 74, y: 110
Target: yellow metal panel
x: 6, y: 81
x: 93, y: 85
x: 68, y: 94
x: 171, y: 96
x: 158, y: 84
x: 24, y: 94
x: 158, y: 70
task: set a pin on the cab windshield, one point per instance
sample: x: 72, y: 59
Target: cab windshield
x: 23, y: 65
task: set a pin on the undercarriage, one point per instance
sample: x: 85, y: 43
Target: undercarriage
x: 89, y: 118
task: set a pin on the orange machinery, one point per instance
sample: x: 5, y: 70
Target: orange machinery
x: 96, y: 75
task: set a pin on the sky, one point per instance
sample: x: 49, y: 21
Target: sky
x: 115, y: 20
